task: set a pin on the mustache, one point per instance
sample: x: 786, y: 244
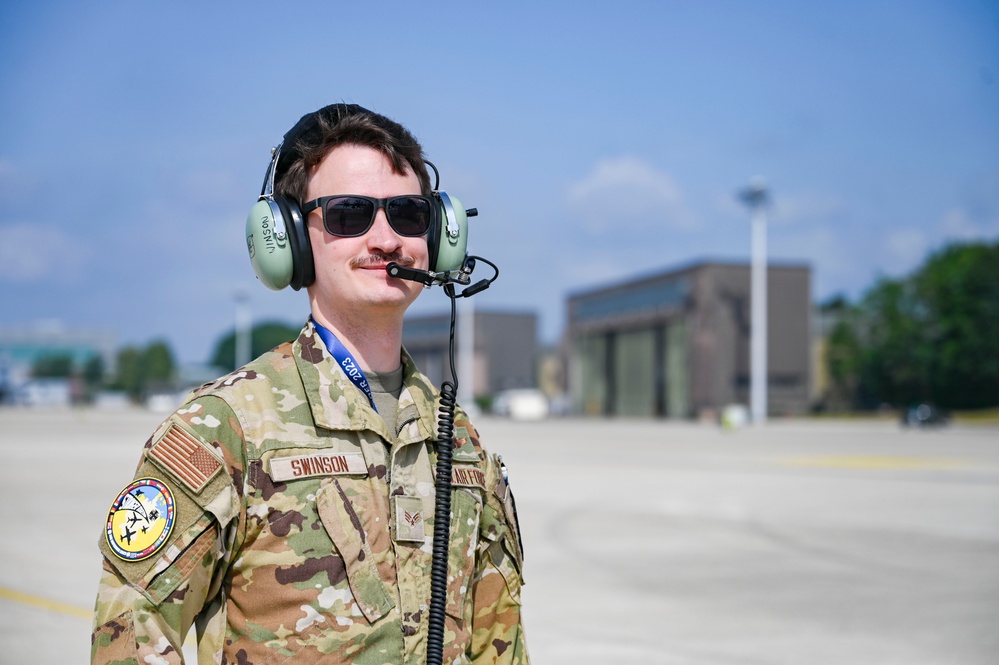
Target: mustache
x: 382, y: 258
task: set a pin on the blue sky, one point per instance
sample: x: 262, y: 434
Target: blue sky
x: 599, y: 141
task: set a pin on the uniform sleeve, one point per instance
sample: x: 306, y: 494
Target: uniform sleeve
x: 168, y: 538
x: 497, y: 632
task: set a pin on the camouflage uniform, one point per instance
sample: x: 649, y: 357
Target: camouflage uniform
x: 298, y: 535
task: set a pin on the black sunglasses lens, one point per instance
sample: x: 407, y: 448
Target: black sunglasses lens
x: 348, y: 216
x: 409, y: 215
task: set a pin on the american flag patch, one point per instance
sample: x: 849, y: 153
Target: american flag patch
x: 186, y: 457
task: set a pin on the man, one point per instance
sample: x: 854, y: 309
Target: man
x: 286, y: 510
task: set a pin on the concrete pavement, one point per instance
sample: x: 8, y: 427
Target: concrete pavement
x: 675, y: 543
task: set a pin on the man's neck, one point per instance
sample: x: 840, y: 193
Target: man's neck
x: 375, y: 343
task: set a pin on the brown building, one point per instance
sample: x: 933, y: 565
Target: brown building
x: 506, y: 349
x: 676, y: 344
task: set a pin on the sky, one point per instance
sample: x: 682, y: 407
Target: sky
x: 600, y: 141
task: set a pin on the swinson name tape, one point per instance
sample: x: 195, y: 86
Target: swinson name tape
x: 317, y: 464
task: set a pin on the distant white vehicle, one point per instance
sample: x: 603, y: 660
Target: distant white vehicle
x: 108, y: 399
x: 521, y: 404
x: 164, y: 402
x: 735, y: 416
x: 45, y: 393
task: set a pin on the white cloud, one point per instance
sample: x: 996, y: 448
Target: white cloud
x: 905, y: 248
x: 629, y: 190
x: 30, y: 253
x: 956, y: 224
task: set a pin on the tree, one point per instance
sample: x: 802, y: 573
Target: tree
x: 263, y: 337
x: 960, y: 288
x: 930, y: 337
x: 93, y: 376
x: 93, y: 371
x: 843, y: 358
x: 894, y: 361
x: 128, y: 376
x: 141, y: 370
x: 157, y: 365
x: 58, y: 365
x: 838, y: 320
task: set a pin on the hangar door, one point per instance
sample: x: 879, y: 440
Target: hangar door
x: 589, y: 382
x: 633, y: 373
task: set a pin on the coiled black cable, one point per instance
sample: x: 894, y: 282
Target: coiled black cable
x: 442, y: 504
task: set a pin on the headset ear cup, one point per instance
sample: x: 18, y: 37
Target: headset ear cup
x: 303, y: 272
x: 267, y: 242
x: 448, y: 237
x: 434, y: 232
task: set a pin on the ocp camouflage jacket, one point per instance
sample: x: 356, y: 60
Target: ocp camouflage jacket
x: 276, y: 513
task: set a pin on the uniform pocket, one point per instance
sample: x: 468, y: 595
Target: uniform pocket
x: 466, y: 508
x: 114, y: 641
x: 346, y: 508
x: 201, y: 539
x: 500, y: 546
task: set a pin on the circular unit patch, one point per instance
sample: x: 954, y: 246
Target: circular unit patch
x: 140, y: 519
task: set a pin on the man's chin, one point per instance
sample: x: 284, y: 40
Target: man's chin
x: 393, y: 292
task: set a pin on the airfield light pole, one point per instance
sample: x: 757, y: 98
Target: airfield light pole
x: 756, y: 196
x: 466, y: 356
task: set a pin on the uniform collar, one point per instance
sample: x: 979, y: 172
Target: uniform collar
x: 337, y: 404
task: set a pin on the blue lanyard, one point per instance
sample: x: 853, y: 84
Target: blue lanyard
x: 345, y: 360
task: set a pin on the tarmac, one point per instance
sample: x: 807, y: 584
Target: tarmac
x: 800, y: 541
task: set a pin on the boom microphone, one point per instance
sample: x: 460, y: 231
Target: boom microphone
x: 447, y: 279
x: 424, y: 277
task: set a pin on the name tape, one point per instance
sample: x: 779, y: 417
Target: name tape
x: 317, y: 464
x: 468, y: 477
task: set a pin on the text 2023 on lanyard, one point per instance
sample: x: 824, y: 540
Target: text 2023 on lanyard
x: 345, y: 360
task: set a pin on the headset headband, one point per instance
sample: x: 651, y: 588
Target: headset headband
x: 308, y: 125
x: 268, y: 188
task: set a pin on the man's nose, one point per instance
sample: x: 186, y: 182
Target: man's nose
x: 381, y: 235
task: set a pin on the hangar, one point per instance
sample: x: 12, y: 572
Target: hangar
x: 676, y: 344
x: 505, y: 343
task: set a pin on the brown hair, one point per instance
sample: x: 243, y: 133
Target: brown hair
x: 316, y: 134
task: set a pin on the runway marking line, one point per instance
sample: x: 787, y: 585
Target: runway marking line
x: 64, y: 608
x: 875, y: 462
x: 45, y: 603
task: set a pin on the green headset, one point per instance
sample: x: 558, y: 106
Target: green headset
x: 277, y: 237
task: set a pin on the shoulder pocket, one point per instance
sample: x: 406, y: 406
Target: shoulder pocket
x: 156, y: 518
x: 498, y: 546
x: 466, y: 510
x: 135, y: 526
x: 502, y: 532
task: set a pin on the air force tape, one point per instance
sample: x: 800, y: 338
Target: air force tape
x: 140, y: 519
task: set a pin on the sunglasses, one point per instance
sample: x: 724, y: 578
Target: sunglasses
x: 350, y: 215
